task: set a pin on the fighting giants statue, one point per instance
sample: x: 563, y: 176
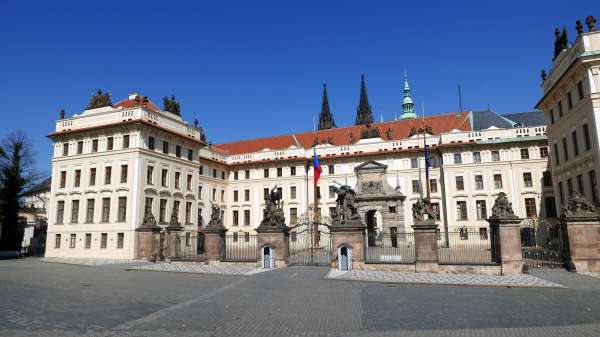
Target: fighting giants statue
x: 578, y: 206
x: 273, y: 212
x: 503, y: 208
x: 346, y: 207
x: 420, y: 209
x: 215, y: 217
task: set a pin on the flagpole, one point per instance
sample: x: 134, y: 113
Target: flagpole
x: 425, y: 154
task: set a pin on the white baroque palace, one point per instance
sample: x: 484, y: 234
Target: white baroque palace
x: 112, y: 164
x: 571, y: 104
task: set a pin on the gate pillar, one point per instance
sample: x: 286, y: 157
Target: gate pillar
x: 147, y: 243
x: 276, y: 238
x: 426, y: 247
x: 582, y: 229
x: 350, y: 234
x: 506, y: 244
x: 214, y: 243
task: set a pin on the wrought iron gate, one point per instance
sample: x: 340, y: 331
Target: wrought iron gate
x: 543, y: 245
x: 310, y: 244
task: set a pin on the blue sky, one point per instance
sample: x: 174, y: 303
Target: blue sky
x: 248, y: 69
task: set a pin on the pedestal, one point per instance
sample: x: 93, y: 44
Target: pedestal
x: 147, y: 243
x: 426, y: 247
x: 214, y: 244
x: 583, y: 235
x: 174, y: 243
x: 351, y: 234
x: 506, y: 238
x: 276, y: 238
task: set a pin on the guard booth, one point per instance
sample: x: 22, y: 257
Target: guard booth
x: 344, y: 258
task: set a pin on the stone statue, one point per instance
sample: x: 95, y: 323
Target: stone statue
x: 99, y: 100
x: 590, y: 21
x: 412, y: 131
x: 346, y: 206
x: 503, y: 208
x: 420, y: 209
x: 388, y: 134
x: 215, y: 216
x: 578, y: 206
x: 579, y: 27
x: 351, y: 138
x: 174, y: 218
x: 171, y: 105
x: 369, y: 132
x: 149, y: 220
x: 273, y: 213
x: 557, y: 42
x: 62, y: 113
x: 544, y: 75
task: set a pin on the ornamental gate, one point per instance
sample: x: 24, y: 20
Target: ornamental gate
x: 543, y: 246
x: 310, y: 244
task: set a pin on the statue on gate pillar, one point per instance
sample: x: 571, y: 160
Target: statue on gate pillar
x: 273, y: 213
x: 346, y: 209
x: 420, y: 210
x: 503, y: 208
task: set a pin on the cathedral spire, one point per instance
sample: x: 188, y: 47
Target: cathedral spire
x: 408, y: 107
x: 325, y: 117
x: 364, y: 115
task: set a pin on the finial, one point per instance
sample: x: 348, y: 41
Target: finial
x: 544, y: 75
x: 579, y: 27
x: 362, y: 77
x: 324, y: 86
x: 195, y: 122
x: 590, y: 21
x: 62, y: 113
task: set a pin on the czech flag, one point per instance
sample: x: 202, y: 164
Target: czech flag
x: 316, y: 167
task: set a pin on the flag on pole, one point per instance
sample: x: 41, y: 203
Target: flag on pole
x: 427, y: 163
x: 316, y: 167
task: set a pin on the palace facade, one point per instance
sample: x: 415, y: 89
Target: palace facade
x: 115, y: 163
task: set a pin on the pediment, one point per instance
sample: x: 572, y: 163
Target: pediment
x: 371, y: 165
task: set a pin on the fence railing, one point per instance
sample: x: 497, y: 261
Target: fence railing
x: 543, y: 246
x: 389, y: 247
x: 189, y: 246
x: 466, y: 246
x: 241, y: 247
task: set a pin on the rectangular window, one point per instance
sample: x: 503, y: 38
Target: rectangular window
x: 80, y: 147
x: 560, y: 109
x: 279, y: 172
x: 235, y: 175
x: 201, y: 170
x: 178, y: 151
x: 214, y: 173
x: 331, y: 169
x: 246, y: 195
x: 564, y: 141
x: 530, y: 208
x: 318, y: 192
x: 497, y: 181
x: 65, y: 149
x: 570, y: 187
x: 414, y: 163
x: 247, y: 174
x: 481, y: 209
x: 222, y: 196
x: 556, y: 157
x: 580, y: 185
x: 416, y: 186
x: 527, y: 180
x: 483, y: 233
x: 89, y: 212
x: 125, y: 141
x: 165, y: 148
x: 214, y: 194
x: 547, y: 179
x: 293, y: 216
x: 177, y: 175
x: 72, y: 241
x: 74, y: 211
x: 460, y: 183
x: 189, y: 182
x: 92, y: 176
x: 57, y: 241
x: 162, y: 212
x: 151, y: 143
x: 550, y: 203
x: 391, y: 209
x: 433, y: 185
x: 478, y: 182
x: 580, y: 90
x: 163, y: 177
x: 246, y: 217
x: 110, y: 143
x: 266, y: 173
x: 236, y: 218
x: 495, y: 155
x: 77, y: 178
x: 188, y: 212
x: 120, y: 240
x: 150, y: 175
x: 524, y: 153
x: 575, y: 143
x: 94, y: 145
x: 561, y: 193
x: 235, y: 196
x: 461, y: 210
x: 105, y: 209
x: 477, y: 157
x: 88, y: 240
x: 593, y: 186
x: 457, y: 158
x: 200, y: 192
x: 293, y: 192
x: 435, y: 208
x: 569, y: 101
x: 190, y: 157
x: 544, y: 152
x: 122, y: 209
x: 551, y: 116
x: 107, y: 175
x: 123, y: 174
x: 292, y: 170
x: 103, y: 240
x: 63, y: 179
x: 60, y: 211
x: 223, y: 175
x: 586, y: 137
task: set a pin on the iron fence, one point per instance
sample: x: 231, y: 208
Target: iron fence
x: 466, y: 246
x: 189, y: 246
x: 241, y: 247
x: 543, y: 246
x: 387, y: 247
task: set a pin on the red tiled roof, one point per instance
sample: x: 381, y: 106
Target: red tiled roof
x: 340, y: 136
x: 131, y: 103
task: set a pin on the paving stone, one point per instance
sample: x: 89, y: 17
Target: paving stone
x: 589, y: 273
x: 200, y: 268
x: 89, y: 262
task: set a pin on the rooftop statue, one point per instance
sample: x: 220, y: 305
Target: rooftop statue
x: 99, y: 100
x: 171, y: 105
x: 369, y: 132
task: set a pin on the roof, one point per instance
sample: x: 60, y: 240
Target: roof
x: 42, y: 187
x: 341, y: 136
x: 131, y: 103
x: 482, y: 120
x: 528, y: 119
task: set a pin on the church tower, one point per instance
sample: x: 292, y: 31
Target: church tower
x: 364, y: 115
x: 408, y: 107
x: 325, y: 117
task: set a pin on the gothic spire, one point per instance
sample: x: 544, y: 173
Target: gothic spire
x: 325, y: 117
x: 408, y: 107
x: 364, y: 115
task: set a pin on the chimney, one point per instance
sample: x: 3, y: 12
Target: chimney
x: 133, y: 95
